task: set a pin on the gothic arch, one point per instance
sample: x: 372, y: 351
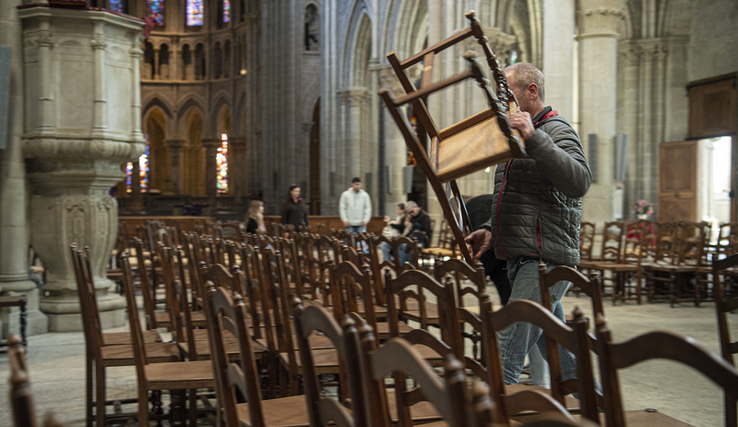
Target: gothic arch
x: 356, y: 24
x: 308, y: 104
x: 193, y: 158
x: 221, y: 100
x: 192, y: 102
x: 223, y: 121
x: 362, y: 51
x: 155, y: 125
x: 166, y: 110
x: 411, y: 28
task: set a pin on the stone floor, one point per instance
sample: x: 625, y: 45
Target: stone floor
x: 56, y: 363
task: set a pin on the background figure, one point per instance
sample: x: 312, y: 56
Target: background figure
x: 417, y: 226
x: 293, y: 209
x: 496, y: 269
x: 393, y: 229
x: 355, y: 208
x: 255, y: 217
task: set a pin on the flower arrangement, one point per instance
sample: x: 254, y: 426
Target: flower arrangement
x: 643, y: 207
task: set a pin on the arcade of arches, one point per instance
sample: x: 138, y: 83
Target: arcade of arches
x: 234, y: 99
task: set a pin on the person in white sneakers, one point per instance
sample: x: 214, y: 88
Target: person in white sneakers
x: 355, y: 208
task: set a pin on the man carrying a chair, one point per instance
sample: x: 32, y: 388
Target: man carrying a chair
x: 536, y: 211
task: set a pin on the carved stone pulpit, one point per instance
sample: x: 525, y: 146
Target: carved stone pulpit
x: 82, y: 120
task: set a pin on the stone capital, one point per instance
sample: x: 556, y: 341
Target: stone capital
x: 175, y: 144
x: 44, y: 39
x: 354, y: 96
x: 388, y: 79
x: 238, y: 143
x: 630, y: 54
x: 98, y: 42
x: 211, y: 143
x: 600, y: 18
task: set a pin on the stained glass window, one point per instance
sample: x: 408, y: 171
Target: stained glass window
x: 222, y: 163
x: 226, y: 10
x: 156, y: 10
x: 117, y: 6
x: 143, y: 165
x: 195, y: 10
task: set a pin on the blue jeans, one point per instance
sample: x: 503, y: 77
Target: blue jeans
x: 517, y: 340
x: 386, y: 252
x: 355, y: 229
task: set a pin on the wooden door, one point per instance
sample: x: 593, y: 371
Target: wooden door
x: 678, y: 181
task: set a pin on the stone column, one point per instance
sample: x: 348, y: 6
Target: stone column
x: 74, y: 156
x: 211, y: 172
x: 100, y: 117
x: 13, y: 191
x: 155, y: 72
x: 355, y: 97
x: 628, y: 125
x: 175, y: 149
x: 599, y: 20
x: 237, y: 168
x: 395, y: 150
x: 558, y: 54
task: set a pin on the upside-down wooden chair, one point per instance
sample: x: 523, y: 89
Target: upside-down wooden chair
x: 482, y: 140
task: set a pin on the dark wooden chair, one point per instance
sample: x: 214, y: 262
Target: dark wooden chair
x: 475, y: 143
x: 173, y: 376
x: 446, y: 397
x: 345, y: 339
x: 526, y: 400
x: 21, y: 396
x: 590, y: 287
x: 723, y: 306
x: 656, y: 345
x: 326, y: 359
x: 352, y: 292
x: 20, y: 302
x: 460, y: 272
x: 415, y: 285
x: 227, y: 314
x: 107, y: 350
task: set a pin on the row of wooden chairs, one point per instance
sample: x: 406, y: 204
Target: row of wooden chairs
x: 345, y: 283
x: 670, y: 261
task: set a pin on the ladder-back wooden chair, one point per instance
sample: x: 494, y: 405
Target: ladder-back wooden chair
x: 479, y: 141
x: 724, y: 304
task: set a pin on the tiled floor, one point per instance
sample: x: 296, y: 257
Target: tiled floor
x: 57, y: 367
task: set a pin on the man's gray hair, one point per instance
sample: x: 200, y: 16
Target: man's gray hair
x: 526, y: 73
x: 410, y: 205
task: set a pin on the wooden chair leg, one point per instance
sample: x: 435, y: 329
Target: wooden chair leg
x: 100, y: 396
x: 193, y: 407
x: 143, y: 407
x: 88, y: 389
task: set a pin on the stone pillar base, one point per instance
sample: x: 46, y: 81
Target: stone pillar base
x: 65, y: 316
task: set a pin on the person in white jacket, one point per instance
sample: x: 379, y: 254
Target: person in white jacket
x: 355, y: 208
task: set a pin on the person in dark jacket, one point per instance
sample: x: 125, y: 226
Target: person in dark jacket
x: 293, y: 209
x: 536, y: 212
x: 255, y: 217
x: 496, y: 269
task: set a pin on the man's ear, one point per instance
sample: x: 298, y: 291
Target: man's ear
x: 532, y: 91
